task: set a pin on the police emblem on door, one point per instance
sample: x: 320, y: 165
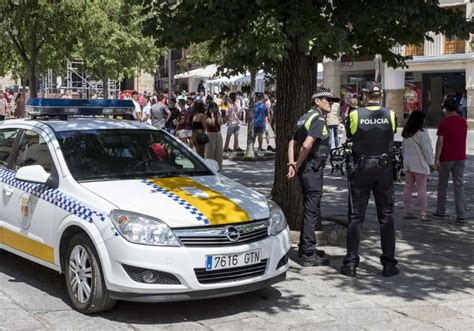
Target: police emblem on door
x: 25, y: 219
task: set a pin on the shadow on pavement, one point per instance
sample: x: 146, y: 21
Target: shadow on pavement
x: 268, y: 300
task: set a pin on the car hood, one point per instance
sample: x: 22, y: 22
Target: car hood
x: 185, y: 201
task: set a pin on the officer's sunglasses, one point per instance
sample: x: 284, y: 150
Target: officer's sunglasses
x: 326, y: 99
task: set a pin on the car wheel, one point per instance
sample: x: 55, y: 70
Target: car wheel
x: 84, y: 278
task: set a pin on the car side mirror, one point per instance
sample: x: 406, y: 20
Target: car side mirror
x: 35, y: 174
x: 213, y: 164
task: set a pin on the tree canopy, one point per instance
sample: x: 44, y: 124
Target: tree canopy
x: 291, y: 36
x: 43, y: 34
x: 111, y: 41
x: 36, y: 35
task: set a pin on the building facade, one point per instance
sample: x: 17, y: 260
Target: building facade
x: 439, y: 69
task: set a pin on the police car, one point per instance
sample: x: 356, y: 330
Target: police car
x: 127, y: 212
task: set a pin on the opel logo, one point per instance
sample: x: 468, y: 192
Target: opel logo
x: 232, y: 233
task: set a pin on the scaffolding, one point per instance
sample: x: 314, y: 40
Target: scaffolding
x: 77, y: 80
x: 47, y: 85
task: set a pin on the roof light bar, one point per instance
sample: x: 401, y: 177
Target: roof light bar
x: 78, y: 107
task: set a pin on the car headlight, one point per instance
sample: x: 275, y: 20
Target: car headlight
x: 143, y: 229
x: 277, y: 219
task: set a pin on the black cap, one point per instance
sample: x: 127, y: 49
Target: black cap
x: 325, y: 94
x: 372, y: 88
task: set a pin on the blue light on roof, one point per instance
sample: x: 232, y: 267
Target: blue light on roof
x: 78, y: 107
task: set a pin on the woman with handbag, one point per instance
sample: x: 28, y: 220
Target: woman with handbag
x: 417, y: 162
x: 214, y: 148
x: 199, y: 136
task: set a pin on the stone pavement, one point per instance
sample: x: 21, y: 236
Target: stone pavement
x: 435, y: 289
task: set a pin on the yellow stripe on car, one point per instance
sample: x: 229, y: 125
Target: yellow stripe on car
x: 26, y: 245
x: 217, y: 208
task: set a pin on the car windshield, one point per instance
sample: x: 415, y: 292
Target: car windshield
x: 112, y: 154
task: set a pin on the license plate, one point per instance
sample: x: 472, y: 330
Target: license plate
x: 226, y: 261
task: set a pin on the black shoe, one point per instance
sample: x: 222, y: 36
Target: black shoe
x: 314, y: 261
x: 460, y: 220
x: 270, y: 148
x: 239, y: 149
x: 349, y: 270
x: 228, y: 150
x: 319, y: 252
x: 390, y: 270
x: 436, y: 215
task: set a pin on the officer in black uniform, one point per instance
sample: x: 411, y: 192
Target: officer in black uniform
x: 311, y: 140
x: 371, y: 129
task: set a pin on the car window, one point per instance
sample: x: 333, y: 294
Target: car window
x: 112, y: 154
x: 33, y: 150
x: 7, y: 139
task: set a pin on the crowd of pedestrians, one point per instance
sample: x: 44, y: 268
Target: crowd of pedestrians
x: 198, y: 120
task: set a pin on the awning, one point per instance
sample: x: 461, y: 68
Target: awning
x: 224, y: 80
x: 206, y: 72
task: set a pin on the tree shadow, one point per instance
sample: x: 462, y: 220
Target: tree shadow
x: 436, y: 259
x: 50, y: 283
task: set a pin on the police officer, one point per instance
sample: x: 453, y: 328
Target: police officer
x: 311, y: 140
x: 371, y: 129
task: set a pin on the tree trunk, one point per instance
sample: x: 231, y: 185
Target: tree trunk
x: 23, y: 86
x: 296, y: 82
x: 33, y: 81
x: 250, y: 129
x: 105, y: 86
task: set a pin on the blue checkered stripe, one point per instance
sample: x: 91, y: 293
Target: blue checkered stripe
x: 52, y: 196
x: 192, y: 210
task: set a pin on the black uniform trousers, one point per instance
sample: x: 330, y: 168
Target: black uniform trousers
x: 310, y: 177
x: 379, y: 180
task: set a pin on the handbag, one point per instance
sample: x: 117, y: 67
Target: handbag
x: 202, y: 138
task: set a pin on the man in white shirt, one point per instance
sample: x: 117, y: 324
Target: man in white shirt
x: 137, y: 112
x: 3, y: 106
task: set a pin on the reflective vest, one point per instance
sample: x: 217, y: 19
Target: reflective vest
x: 302, y: 129
x: 372, y: 129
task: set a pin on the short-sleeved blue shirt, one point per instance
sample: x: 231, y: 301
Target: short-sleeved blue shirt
x: 259, y: 114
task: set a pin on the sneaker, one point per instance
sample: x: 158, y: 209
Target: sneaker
x: 409, y: 216
x: 349, y: 270
x: 314, y: 261
x: 424, y: 218
x: 238, y: 149
x: 438, y: 215
x: 390, y: 270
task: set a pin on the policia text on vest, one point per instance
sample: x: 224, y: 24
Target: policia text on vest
x: 311, y: 140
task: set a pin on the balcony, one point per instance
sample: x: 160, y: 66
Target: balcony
x: 415, y: 50
x: 454, y: 46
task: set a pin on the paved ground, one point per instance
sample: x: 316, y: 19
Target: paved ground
x: 434, y: 291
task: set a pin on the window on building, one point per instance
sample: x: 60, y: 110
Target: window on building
x: 454, y: 45
x: 414, y: 50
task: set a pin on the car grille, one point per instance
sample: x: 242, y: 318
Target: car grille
x: 216, y: 236
x: 232, y: 274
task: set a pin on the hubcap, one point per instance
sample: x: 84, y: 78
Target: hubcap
x: 80, y: 274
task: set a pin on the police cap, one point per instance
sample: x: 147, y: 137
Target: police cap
x: 372, y: 88
x: 325, y: 94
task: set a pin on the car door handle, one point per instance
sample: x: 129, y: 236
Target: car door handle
x: 8, y: 190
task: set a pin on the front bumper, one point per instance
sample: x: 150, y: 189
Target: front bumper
x: 182, y: 262
x: 198, y: 295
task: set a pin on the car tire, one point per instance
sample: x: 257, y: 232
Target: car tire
x: 84, y: 277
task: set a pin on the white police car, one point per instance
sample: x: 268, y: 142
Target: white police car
x: 128, y: 212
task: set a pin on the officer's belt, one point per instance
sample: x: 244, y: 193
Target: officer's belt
x: 371, y: 156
